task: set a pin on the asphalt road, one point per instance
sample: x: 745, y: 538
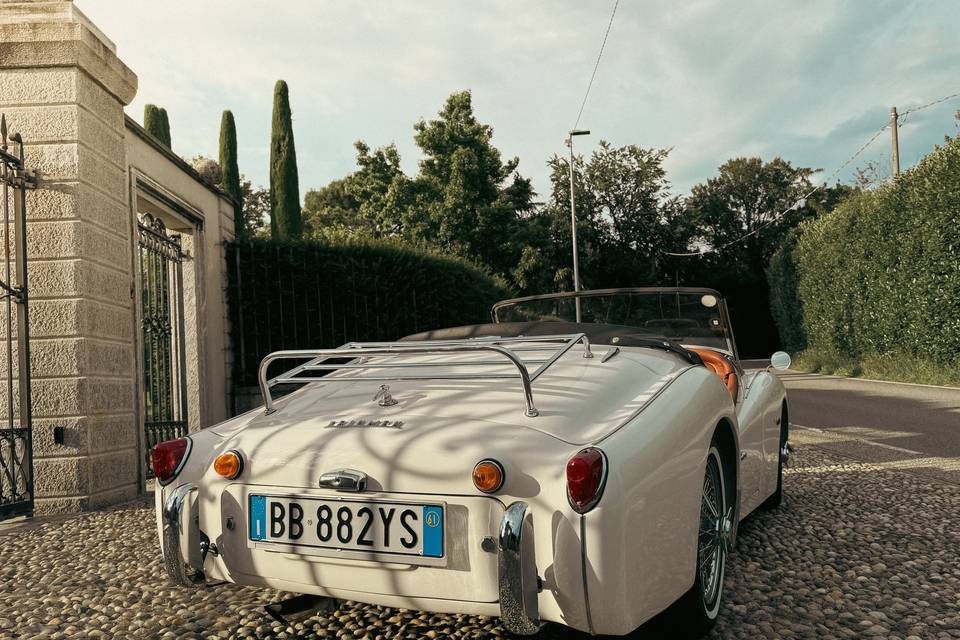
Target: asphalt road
x: 909, y: 427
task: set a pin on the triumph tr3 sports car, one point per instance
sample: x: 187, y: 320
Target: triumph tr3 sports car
x: 584, y: 459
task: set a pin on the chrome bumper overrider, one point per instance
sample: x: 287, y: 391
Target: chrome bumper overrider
x: 172, y: 520
x: 517, y: 572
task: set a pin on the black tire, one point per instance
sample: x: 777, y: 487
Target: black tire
x: 776, y: 499
x: 695, y: 613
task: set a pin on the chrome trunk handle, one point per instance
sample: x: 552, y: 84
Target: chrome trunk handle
x: 344, y: 480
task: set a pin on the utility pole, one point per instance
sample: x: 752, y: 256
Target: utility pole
x: 573, y: 219
x: 896, y: 141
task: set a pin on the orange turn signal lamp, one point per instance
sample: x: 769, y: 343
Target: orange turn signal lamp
x: 488, y: 476
x: 229, y: 464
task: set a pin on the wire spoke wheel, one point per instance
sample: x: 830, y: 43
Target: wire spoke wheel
x: 696, y: 612
x: 711, y: 550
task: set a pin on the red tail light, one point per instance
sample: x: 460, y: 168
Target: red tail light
x: 586, y: 475
x: 167, y: 458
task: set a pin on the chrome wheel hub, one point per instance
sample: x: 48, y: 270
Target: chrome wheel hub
x: 785, y: 452
x: 726, y: 530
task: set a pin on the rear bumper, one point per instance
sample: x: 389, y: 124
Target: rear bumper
x: 181, y: 539
x: 517, y: 577
x: 185, y: 548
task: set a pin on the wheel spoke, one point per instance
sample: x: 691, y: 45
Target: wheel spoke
x: 709, y: 504
x: 707, y: 556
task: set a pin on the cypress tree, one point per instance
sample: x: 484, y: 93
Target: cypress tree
x: 285, y: 222
x: 230, y: 169
x: 156, y: 123
x: 165, y: 121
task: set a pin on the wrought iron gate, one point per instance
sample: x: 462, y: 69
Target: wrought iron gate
x: 16, y: 435
x: 161, y: 323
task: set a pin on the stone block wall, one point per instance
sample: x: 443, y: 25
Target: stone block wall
x: 63, y: 88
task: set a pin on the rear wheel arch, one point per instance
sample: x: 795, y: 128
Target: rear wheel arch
x: 726, y: 442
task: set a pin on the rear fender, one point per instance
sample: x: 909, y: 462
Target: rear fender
x: 640, y: 541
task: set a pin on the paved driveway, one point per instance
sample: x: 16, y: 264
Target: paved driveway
x: 864, y: 546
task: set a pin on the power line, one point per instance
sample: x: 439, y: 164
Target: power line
x: 597, y: 64
x: 934, y: 103
x: 930, y: 104
x: 792, y: 206
x: 816, y: 188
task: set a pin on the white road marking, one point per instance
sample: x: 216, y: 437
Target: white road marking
x: 860, y: 439
x: 890, y: 446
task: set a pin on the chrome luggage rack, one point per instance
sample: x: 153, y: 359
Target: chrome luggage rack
x: 358, y: 353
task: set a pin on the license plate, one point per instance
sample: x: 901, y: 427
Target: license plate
x: 348, y: 525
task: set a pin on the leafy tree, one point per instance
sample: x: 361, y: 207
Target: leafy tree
x: 285, y: 221
x: 749, y: 196
x: 332, y: 207
x: 256, y: 209
x: 165, y: 122
x: 466, y: 199
x: 155, y: 121
x: 370, y: 202
x: 746, y: 211
x: 230, y: 169
x: 626, y: 218
x: 871, y: 174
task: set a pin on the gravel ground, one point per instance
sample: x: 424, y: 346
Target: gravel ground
x: 857, y: 550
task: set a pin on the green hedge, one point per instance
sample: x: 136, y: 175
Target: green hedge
x: 785, y: 305
x: 319, y: 294
x: 881, y: 273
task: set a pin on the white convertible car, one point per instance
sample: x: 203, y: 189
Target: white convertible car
x: 585, y: 459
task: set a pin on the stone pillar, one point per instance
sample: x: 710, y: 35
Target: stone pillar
x: 63, y: 88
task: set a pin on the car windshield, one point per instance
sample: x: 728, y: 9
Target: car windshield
x: 686, y: 316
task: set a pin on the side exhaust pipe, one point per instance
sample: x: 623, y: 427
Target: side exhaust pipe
x: 294, y: 609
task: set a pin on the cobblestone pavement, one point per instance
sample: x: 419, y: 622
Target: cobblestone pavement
x: 857, y: 550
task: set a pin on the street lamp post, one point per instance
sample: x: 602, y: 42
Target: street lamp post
x: 573, y: 218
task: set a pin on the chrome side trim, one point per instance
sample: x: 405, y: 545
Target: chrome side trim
x: 583, y: 571
x: 517, y: 572
x: 173, y: 560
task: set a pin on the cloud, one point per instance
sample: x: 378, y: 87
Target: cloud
x: 806, y: 81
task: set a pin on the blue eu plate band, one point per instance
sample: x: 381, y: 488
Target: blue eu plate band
x: 433, y: 532
x: 258, y: 517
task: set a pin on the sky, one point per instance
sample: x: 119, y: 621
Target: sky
x: 807, y: 81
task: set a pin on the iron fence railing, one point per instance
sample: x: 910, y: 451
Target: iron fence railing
x: 162, y: 334
x: 16, y: 435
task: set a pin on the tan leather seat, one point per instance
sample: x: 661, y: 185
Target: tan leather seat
x: 722, y: 366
